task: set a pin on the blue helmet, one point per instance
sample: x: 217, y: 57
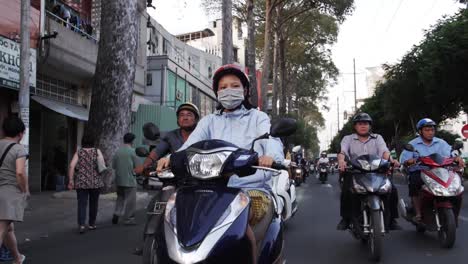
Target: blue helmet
x: 425, y: 122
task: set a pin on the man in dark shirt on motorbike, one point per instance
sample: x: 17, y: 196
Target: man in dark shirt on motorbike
x: 188, y: 116
x: 362, y: 142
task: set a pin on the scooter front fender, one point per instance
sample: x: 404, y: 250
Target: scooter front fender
x: 374, y: 202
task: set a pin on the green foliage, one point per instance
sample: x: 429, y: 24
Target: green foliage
x: 306, y: 136
x: 431, y: 80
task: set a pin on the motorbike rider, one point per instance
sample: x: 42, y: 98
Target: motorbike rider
x: 323, y: 159
x: 188, y: 116
x: 236, y: 121
x: 363, y: 142
x: 425, y: 144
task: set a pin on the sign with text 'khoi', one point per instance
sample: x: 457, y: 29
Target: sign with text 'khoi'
x: 10, y: 64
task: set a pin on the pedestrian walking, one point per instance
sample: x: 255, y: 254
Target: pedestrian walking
x: 124, y: 163
x: 84, y: 176
x: 14, y: 188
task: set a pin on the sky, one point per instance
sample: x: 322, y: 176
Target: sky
x: 377, y: 32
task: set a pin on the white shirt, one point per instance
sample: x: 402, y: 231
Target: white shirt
x: 323, y: 160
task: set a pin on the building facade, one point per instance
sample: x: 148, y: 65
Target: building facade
x: 62, y: 69
x: 178, y: 72
x: 210, y: 39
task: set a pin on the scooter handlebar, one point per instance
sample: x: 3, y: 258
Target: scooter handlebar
x: 278, y: 166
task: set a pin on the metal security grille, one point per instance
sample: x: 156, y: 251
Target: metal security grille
x: 56, y: 89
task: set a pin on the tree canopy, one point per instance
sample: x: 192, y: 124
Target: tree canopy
x: 431, y: 80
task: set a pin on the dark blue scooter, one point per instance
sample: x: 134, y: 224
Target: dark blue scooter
x: 205, y: 221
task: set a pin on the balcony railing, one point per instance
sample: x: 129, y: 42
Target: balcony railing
x: 70, y: 26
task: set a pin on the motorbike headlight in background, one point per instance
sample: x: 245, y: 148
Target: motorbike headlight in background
x: 236, y: 207
x: 386, y: 187
x: 358, y: 188
x: 435, y: 187
x: 298, y: 171
x: 207, y: 166
x: 171, y: 212
x: 455, y: 186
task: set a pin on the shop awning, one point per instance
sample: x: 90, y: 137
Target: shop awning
x: 73, y: 111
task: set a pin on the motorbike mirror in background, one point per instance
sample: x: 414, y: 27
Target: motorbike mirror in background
x: 409, y: 147
x: 457, y: 145
x: 151, y: 131
x: 142, y: 152
x: 283, y: 127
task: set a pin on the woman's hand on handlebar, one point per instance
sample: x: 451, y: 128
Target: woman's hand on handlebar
x: 265, y: 161
x: 162, y: 164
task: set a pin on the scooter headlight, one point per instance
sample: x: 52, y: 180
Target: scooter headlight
x: 386, y: 187
x: 358, y: 188
x: 171, y: 212
x: 207, y: 166
x: 298, y: 171
x: 236, y: 207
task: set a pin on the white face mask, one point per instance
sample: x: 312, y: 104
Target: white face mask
x: 230, y: 98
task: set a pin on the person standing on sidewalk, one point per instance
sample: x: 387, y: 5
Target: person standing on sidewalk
x: 85, y: 178
x: 124, y: 164
x: 14, y: 187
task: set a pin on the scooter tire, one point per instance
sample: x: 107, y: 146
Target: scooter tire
x: 376, y: 236
x: 447, y: 233
x: 149, y: 250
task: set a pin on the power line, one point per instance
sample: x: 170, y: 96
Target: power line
x: 393, y: 16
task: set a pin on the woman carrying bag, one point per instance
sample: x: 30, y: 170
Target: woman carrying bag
x: 85, y: 177
x: 14, y: 187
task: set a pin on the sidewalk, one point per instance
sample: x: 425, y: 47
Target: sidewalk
x: 48, y: 213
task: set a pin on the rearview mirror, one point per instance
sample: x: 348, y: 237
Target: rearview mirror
x: 151, y: 131
x: 457, y: 145
x: 142, y: 152
x: 283, y: 127
x: 409, y: 147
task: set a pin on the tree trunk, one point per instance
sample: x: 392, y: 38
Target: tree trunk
x: 266, y: 53
x: 276, y: 88
x: 251, y: 53
x: 282, y: 73
x: 228, y: 48
x: 112, y: 88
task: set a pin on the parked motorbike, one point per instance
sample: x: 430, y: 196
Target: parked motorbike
x: 441, y: 197
x: 370, y: 185
x: 204, y: 220
x: 285, y: 195
x: 323, y: 170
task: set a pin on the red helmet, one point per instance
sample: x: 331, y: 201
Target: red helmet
x: 230, y: 69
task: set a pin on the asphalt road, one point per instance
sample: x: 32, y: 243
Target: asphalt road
x: 311, y: 237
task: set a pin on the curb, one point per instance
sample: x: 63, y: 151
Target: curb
x: 107, y: 196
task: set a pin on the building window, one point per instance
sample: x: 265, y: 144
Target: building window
x: 149, y: 79
x: 210, y: 72
x: 165, y: 46
x: 214, y: 24
x: 236, y: 55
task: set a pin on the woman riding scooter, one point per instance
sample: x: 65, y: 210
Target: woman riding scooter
x: 237, y: 122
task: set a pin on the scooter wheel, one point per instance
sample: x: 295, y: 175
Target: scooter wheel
x: 149, y: 250
x: 448, y: 231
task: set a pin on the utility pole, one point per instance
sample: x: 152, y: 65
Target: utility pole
x: 354, y: 74
x: 24, y: 71
x: 228, y: 48
x: 338, y: 111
